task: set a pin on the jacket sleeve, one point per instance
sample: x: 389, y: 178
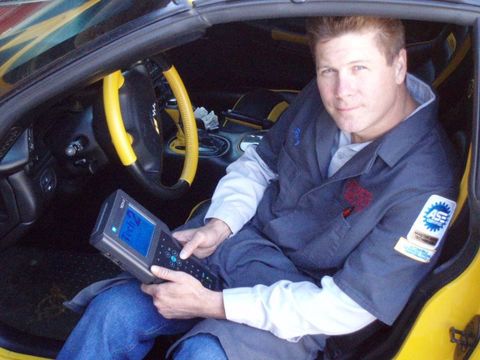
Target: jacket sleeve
x: 376, y: 275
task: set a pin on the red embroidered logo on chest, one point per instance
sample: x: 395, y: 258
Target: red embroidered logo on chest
x: 356, y: 195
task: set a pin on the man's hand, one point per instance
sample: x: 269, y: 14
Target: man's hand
x: 183, y: 297
x: 202, y: 241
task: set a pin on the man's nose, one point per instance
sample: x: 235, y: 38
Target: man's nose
x: 344, y: 85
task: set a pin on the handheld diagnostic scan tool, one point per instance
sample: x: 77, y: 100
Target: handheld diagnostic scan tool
x: 134, y: 239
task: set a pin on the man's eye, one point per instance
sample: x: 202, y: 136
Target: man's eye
x: 359, y: 67
x: 327, y: 71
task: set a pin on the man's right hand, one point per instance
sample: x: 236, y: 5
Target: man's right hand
x: 202, y: 241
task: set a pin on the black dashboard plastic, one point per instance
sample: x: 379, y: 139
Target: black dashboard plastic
x: 28, y: 181
x: 18, y: 155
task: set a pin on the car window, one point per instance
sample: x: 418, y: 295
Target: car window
x: 34, y: 34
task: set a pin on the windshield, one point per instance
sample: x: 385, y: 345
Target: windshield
x: 35, y: 33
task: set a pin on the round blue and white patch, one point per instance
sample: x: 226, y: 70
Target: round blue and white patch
x: 428, y: 229
x: 437, y: 216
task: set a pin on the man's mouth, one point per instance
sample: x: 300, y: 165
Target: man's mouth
x: 346, y: 108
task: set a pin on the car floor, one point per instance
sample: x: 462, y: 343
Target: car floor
x: 54, y: 261
x: 50, y: 264
x: 35, y: 282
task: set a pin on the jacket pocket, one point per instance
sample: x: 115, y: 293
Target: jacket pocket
x: 311, y: 238
x: 321, y: 251
x: 291, y: 183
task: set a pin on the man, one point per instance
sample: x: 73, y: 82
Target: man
x: 325, y: 227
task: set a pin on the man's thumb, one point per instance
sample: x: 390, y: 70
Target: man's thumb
x: 164, y: 273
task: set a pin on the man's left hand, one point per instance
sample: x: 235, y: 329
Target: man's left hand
x: 182, y: 296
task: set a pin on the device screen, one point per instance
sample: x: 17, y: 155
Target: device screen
x: 136, y: 231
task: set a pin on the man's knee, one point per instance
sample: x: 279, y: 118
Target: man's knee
x: 122, y: 304
x: 200, y: 347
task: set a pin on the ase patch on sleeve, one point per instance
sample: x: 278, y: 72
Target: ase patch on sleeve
x: 428, y: 229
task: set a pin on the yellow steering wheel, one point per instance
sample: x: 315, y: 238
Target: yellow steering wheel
x: 134, y: 124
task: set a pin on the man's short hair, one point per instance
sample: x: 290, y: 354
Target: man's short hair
x: 390, y: 32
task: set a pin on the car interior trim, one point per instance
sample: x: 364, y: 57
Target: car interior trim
x: 277, y: 111
x: 463, y: 191
x: 282, y: 35
x: 456, y: 60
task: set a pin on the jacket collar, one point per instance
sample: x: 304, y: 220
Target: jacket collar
x: 392, y: 146
x: 399, y: 140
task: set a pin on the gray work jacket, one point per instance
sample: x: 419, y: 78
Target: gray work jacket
x: 308, y: 225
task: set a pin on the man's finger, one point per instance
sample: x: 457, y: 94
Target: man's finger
x: 165, y: 273
x: 189, y: 248
x: 183, y: 235
x: 147, y: 289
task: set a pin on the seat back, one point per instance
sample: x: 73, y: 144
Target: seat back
x: 434, y: 61
x: 258, y: 109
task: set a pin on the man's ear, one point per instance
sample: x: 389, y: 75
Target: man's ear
x: 400, y: 64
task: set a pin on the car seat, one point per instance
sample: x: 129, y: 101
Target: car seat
x: 257, y: 109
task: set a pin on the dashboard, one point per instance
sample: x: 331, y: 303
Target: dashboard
x: 27, y: 184
x: 69, y: 143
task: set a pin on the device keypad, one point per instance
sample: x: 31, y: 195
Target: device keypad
x: 167, y: 255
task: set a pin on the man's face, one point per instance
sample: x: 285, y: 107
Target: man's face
x: 362, y: 93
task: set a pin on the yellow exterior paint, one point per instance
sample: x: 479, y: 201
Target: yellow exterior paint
x: 476, y: 353
x: 453, y: 305
x: 122, y: 141
x: 9, y: 355
x: 36, y: 33
x: 189, y: 124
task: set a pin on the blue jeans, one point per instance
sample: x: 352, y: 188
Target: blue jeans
x: 122, y: 323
